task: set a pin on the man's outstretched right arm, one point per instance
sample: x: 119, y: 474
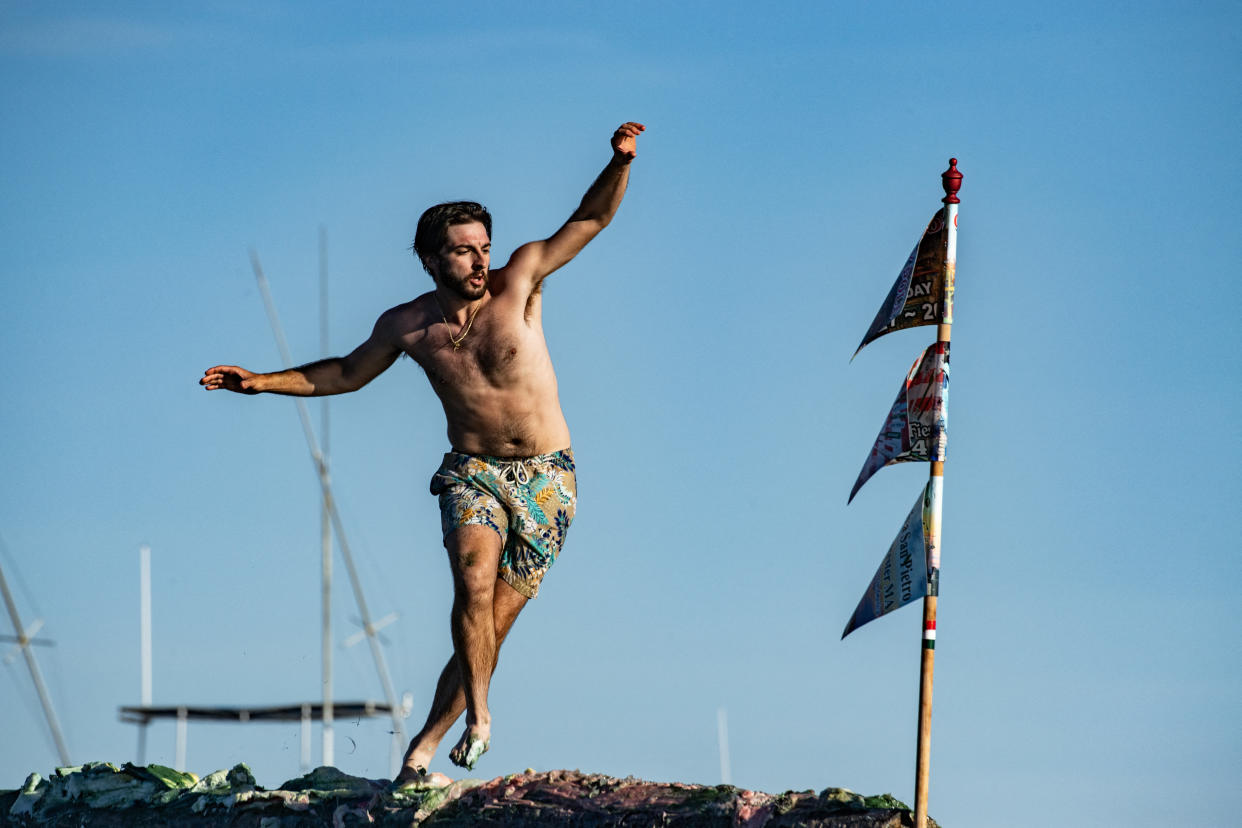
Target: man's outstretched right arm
x: 336, y: 375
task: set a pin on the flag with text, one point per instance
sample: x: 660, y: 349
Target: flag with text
x: 903, y: 575
x: 916, y: 297
x: 917, y: 425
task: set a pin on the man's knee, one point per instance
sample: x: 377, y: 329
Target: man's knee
x: 474, y: 568
x: 474, y: 590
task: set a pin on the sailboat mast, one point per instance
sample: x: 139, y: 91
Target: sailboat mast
x: 325, y: 520
x: 23, y: 642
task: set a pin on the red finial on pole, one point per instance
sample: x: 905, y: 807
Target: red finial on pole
x: 951, y: 180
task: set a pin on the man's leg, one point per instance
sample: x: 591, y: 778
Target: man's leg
x: 450, y: 697
x: 474, y: 554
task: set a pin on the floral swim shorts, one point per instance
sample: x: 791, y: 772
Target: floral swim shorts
x: 529, y: 501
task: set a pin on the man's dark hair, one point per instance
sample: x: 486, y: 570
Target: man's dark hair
x: 434, y: 223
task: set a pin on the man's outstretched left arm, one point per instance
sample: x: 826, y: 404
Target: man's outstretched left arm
x: 537, y: 259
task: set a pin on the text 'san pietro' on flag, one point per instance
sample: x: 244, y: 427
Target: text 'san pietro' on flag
x: 919, y: 291
x: 917, y: 425
x: 911, y: 563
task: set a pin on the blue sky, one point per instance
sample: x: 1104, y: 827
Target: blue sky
x: 1088, y: 647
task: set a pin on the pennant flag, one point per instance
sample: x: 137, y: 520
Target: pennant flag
x: 905, y: 573
x: 917, y: 424
x: 920, y: 287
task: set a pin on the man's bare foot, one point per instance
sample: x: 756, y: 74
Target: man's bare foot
x: 416, y: 777
x: 474, y: 743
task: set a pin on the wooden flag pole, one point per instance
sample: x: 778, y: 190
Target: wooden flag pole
x: 951, y: 179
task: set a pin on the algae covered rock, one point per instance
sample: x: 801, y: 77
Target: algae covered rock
x: 100, y: 785
x: 328, y: 782
x: 222, y: 783
x: 103, y: 795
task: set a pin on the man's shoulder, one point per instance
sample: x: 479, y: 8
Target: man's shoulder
x: 407, y: 317
x: 418, y: 306
x: 514, y: 283
x: 522, y: 264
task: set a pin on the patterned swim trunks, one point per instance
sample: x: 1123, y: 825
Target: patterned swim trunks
x: 529, y: 501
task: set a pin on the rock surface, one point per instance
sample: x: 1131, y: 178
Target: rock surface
x: 104, y: 795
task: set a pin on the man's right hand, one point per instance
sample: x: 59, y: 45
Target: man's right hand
x: 230, y: 378
x: 625, y: 141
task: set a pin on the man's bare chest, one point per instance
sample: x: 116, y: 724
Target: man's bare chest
x: 491, y: 354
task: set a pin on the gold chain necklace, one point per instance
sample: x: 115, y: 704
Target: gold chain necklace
x: 457, y: 340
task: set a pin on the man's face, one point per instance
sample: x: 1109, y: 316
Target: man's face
x: 462, y: 263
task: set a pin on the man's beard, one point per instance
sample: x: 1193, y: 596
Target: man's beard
x: 464, y: 289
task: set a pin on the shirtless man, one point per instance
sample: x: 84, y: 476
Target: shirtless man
x: 507, y: 490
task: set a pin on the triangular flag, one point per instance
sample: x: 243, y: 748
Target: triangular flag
x: 903, y: 574
x: 916, y: 295
x: 917, y: 424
